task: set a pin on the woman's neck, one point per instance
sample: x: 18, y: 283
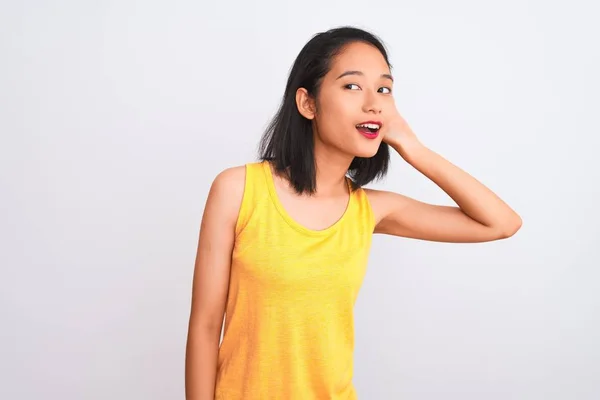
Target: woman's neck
x: 331, y: 168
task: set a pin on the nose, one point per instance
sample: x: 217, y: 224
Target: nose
x: 372, y: 104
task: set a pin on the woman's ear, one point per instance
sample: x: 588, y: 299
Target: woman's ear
x: 305, y: 103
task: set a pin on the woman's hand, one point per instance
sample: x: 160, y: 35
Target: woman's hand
x: 399, y: 135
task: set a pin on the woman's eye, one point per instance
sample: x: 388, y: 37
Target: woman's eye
x: 351, y: 85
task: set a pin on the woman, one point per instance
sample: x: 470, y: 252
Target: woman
x: 284, y: 241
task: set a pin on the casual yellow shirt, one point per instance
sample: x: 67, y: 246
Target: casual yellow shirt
x: 289, y: 326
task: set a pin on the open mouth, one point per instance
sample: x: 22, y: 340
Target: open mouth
x: 370, y: 129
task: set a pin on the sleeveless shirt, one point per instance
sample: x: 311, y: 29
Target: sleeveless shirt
x: 289, y: 325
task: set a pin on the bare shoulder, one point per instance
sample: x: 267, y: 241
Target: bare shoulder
x: 373, y: 194
x: 232, y: 178
x: 226, y: 191
x: 382, y: 202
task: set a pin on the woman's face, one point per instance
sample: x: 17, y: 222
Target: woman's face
x: 357, y: 89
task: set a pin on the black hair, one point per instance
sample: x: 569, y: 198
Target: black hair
x: 288, y: 139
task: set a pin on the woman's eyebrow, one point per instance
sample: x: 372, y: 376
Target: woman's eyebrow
x: 386, y: 76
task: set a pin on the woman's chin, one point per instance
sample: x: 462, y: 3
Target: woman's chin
x: 366, y: 152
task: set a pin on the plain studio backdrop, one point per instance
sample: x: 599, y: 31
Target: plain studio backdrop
x: 115, y: 116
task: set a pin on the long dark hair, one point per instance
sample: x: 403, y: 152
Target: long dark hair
x: 288, y: 140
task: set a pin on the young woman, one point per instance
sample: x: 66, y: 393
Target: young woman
x: 284, y: 241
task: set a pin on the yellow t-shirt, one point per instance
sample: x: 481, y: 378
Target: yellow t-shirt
x: 289, y: 326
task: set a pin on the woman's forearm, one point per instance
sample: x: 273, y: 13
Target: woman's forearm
x: 473, y: 197
x: 201, y: 363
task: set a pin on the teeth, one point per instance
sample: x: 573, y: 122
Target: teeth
x: 370, y: 126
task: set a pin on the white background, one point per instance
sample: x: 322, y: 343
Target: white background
x: 115, y: 116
